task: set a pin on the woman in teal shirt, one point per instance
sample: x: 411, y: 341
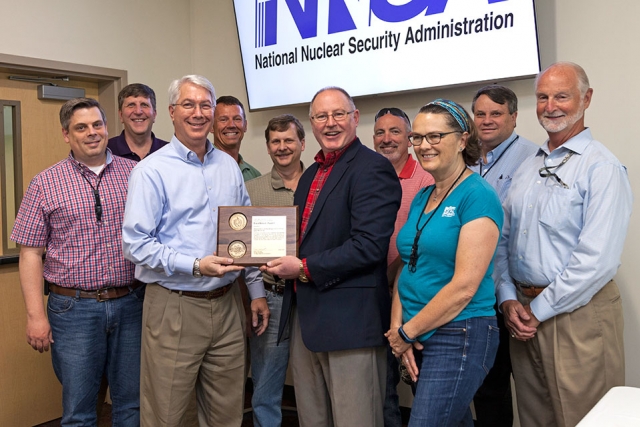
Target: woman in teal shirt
x: 444, y: 298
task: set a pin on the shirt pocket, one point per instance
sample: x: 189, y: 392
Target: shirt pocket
x: 563, y: 208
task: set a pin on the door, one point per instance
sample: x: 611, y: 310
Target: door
x: 30, y: 393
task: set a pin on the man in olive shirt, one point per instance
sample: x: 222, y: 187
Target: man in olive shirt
x: 285, y: 143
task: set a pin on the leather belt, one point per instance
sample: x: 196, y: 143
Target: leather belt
x: 216, y: 293
x: 276, y: 288
x: 530, y: 291
x: 99, y: 294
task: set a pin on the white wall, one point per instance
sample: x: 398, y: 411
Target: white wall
x: 159, y: 40
x: 599, y: 36
x: 150, y: 39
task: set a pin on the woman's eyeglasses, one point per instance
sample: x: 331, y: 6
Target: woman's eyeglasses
x: 432, y: 138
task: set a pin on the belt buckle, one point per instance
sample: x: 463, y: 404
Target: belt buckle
x: 209, y: 295
x: 99, y: 294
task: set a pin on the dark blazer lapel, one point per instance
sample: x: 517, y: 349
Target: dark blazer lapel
x: 333, y: 180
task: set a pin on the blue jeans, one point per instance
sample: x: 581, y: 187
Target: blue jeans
x: 92, y: 338
x: 453, y: 364
x: 269, y: 368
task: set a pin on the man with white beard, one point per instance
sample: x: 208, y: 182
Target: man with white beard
x: 566, y: 218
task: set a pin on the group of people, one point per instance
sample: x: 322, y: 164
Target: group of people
x: 484, y: 254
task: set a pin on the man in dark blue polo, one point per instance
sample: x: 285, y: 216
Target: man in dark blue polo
x: 137, y: 112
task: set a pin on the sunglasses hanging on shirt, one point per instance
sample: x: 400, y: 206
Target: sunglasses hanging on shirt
x: 96, y: 196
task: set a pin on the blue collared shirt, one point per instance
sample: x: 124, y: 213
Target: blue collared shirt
x: 503, y: 161
x: 171, y: 216
x: 571, y: 238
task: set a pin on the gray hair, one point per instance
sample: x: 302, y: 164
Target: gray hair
x: 583, y: 80
x: 176, y: 85
x: 352, y: 105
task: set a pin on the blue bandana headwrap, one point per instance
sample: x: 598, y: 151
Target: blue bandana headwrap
x: 455, y: 110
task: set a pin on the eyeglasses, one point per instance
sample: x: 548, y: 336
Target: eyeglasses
x: 394, y: 112
x: 432, y: 138
x: 547, y: 171
x: 188, y: 105
x: 338, y: 116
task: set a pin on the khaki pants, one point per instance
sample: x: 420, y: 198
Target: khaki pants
x: 338, y: 388
x: 573, y: 360
x: 191, y: 343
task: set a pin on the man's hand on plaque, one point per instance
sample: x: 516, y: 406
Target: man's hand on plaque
x: 215, y: 266
x: 286, y: 267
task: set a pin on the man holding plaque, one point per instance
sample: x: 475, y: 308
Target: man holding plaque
x: 285, y: 143
x: 339, y: 305
x: 192, y: 335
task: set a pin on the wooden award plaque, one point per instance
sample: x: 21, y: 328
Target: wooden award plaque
x: 253, y: 235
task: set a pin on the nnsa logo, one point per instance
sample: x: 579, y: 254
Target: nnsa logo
x: 340, y: 19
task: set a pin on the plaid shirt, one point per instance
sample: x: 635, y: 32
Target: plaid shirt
x: 325, y: 166
x: 58, y: 213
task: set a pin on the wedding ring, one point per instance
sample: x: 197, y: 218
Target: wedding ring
x: 513, y: 335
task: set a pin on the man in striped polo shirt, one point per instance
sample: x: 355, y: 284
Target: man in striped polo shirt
x: 391, y: 139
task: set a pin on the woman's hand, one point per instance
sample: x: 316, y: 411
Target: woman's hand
x: 398, y: 346
x: 409, y: 361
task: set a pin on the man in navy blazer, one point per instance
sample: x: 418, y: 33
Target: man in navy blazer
x: 338, y: 306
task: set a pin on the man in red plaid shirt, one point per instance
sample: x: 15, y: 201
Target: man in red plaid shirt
x: 74, y: 210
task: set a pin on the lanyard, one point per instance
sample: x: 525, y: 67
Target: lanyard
x: 413, y: 258
x: 498, y: 159
x: 96, y: 195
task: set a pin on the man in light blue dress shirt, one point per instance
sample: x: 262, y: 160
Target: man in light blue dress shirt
x: 495, y: 110
x: 192, y: 330
x: 566, y: 218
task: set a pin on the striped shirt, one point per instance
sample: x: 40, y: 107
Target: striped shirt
x: 412, y: 179
x: 503, y: 161
x: 568, y: 240
x: 58, y: 213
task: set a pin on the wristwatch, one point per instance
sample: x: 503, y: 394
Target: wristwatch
x: 302, y: 277
x: 196, y: 268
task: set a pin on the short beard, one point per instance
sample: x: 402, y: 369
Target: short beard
x: 555, y: 127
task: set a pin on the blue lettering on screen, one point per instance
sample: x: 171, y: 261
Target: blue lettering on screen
x: 400, y: 13
x: 340, y: 19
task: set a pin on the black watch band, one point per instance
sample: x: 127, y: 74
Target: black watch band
x: 404, y: 336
